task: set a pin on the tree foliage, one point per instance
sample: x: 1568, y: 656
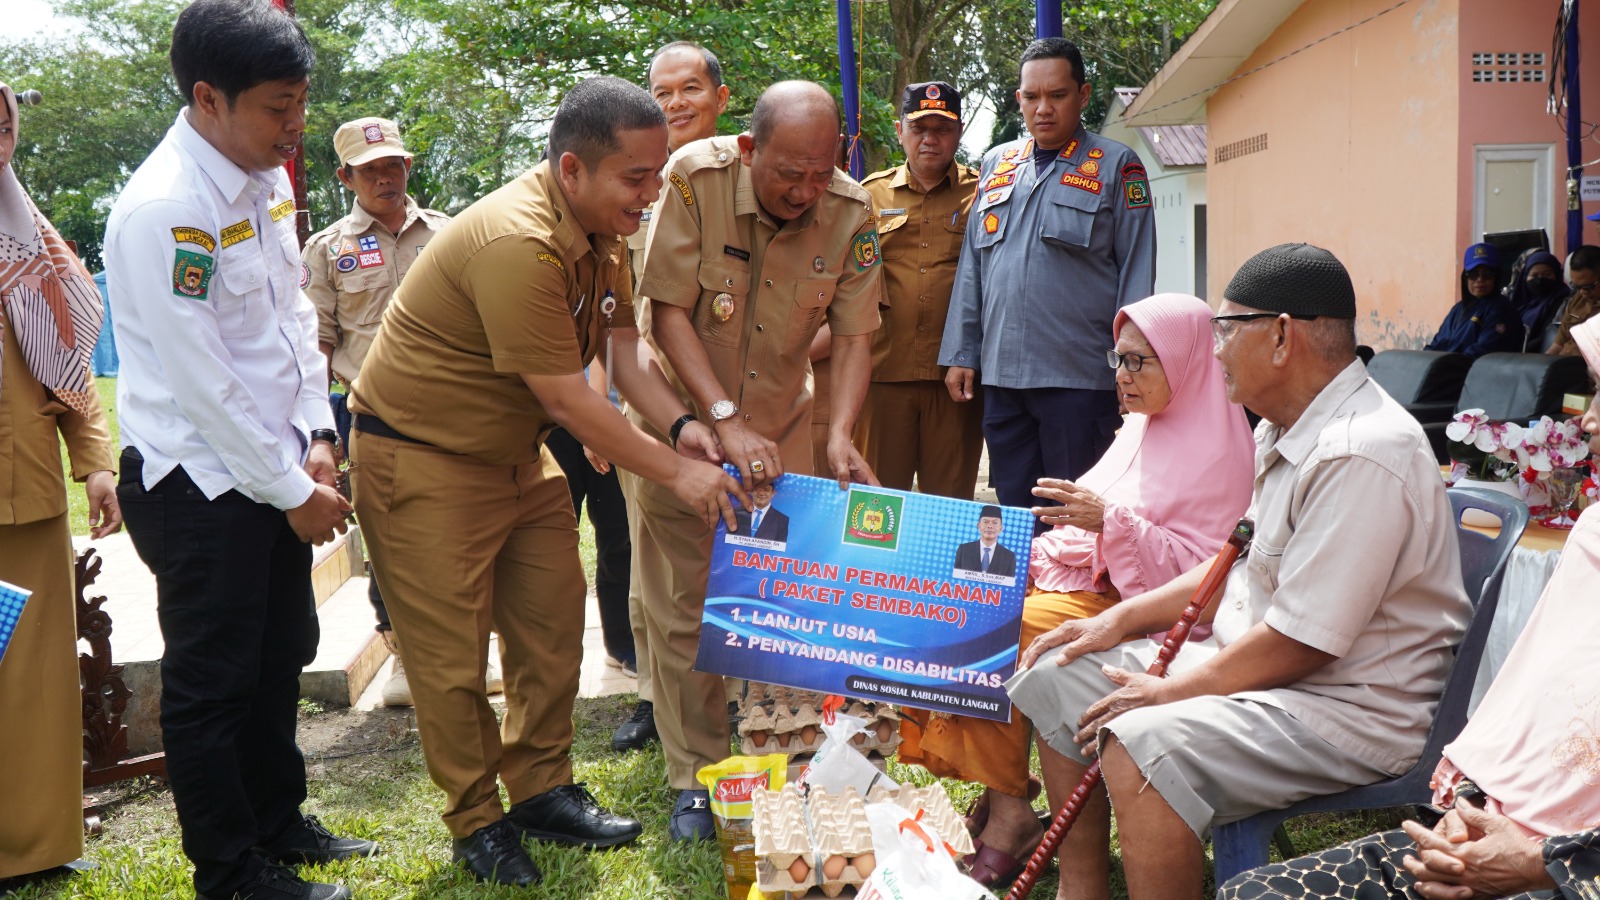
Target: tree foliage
x: 474, y: 84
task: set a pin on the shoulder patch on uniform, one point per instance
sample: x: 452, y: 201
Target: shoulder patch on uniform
x: 305, y: 276
x: 191, y: 274
x: 197, y: 236
x: 552, y: 259
x: 864, y: 250
x: 286, y: 208
x: 241, y: 230
x: 1082, y: 183
x: 1134, y: 169
x: 682, y: 184
x: 1137, y: 191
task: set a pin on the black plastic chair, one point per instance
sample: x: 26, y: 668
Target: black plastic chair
x: 1244, y: 845
x: 1428, y: 383
x: 1515, y: 387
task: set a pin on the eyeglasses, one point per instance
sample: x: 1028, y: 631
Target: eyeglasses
x: 1481, y: 274
x: 1133, y: 362
x: 1585, y: 288
x: 1222, y: 326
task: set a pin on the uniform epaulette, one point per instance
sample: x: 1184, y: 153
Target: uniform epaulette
x: 883, y: 173
x: 711, y: 156
x: 845, y: 186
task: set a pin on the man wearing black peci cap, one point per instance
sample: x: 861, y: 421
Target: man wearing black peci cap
x: 1335, y: 632
x: 910, y: 429
x: 985, y: 554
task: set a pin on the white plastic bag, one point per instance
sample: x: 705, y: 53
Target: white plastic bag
x: 839, y: 765
x: 914, y: 863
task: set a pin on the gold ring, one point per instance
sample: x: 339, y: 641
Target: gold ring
x: 758, y: 466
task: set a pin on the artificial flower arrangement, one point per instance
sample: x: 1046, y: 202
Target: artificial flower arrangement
x: 1548, y: 461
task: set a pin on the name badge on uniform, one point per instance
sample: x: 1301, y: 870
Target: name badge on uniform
x: 722, y: 307
x: 891, y: 212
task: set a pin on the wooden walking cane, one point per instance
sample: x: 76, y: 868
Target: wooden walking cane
x: 1216, y: 576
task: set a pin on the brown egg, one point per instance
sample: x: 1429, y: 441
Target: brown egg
x: 864, y: 864
x: 833, y: 867
x: 798, y: 870
x: 758, y: 738
x: 885, y: 731
x: 782, y: 740
x: 808, y: 734
x: 859, y: 739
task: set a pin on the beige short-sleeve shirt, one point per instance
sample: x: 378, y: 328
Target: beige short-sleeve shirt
x: 1355, y: 554
x: 758, y: 291
x: 921, y: 232
x: 512, y: 286
x: 351, y: 269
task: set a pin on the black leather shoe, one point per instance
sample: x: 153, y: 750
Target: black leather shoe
x: 691, y: 818
x: 570, y: 815
x: 493, y: 854
x: 278, y: 883
x: 310, y: 842
x: 639, y: 730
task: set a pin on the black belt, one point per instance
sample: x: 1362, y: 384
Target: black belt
x: 373, y: 425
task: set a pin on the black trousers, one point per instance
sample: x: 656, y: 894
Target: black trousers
x: 234, y: 601
x: 608, y: 513
x: 1037, y: 433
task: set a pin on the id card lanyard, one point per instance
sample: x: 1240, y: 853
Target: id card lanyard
x: 608, y: 305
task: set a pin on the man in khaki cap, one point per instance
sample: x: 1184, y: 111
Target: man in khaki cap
x: 910, y: 429
x: 758, y: 241
x: 685, y: 80
x: 350, y: 270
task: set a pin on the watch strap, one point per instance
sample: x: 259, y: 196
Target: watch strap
x: 325, y: 434
x: 678, y: 426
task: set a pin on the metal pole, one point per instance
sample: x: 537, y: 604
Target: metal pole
x: 297, y: 167
x: 856, y: 161
x: 1047, y: 18
x: 1574, y: 126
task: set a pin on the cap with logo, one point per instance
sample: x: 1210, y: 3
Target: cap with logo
x: 364, y: 140
x: 1480, y: 255
x: 930, y: 98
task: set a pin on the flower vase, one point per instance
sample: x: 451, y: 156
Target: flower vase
x: 1477, y: 517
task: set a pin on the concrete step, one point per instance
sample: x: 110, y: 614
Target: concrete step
x: 350, y: 654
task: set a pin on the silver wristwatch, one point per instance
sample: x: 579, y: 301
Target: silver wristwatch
x: 723, y: 409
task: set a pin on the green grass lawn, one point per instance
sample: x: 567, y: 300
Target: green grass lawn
x: 371, y: 782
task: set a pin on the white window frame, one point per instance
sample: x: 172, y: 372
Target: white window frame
x: 1543, y: 156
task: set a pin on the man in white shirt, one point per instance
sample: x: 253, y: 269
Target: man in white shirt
x: 228, y: 445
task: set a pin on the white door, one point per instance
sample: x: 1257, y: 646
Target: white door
x: 1512, y: 188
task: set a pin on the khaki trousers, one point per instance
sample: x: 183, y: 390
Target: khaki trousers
x: 641, y: 637
x: 41, y: 710
x: 672, y: 559
x: 912, y: 432
x: 461, y: 547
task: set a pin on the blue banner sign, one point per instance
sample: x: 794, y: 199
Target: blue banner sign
x: 12, y: 599
x: 872, y: 593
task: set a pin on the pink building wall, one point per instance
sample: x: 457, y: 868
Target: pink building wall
x: 1362, y: 157
x: 1495, y: 113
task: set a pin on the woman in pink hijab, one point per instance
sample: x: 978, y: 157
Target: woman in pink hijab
x: 1161, y: 501
x: 1521, y: 784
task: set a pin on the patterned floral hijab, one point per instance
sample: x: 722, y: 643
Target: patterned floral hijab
x: 49, y: 297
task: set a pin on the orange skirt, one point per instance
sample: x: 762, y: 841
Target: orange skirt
x: 992, y: 753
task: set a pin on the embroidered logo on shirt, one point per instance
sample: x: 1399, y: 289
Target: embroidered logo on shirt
x: 195, y: 236
x: 550, y: 258
x: 1096, y: 153
x: 370, y: 258
x: 286, y: 208
x: 238, y: 231
x: 991, y: 223
x: 370, y: 242
x: 346, y: 263
x: 1135, y: 187
x: 1073, y: 179
x: 1089, y: 168
x: 343, y: 248
x: 1071, y: 148
x: 1004, y: 167
x: 191, y: 274
x: 864, y: 249
x: 683, y: 188
x: 305, y: 276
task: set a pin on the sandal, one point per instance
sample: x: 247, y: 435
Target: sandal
x: 995, y: 868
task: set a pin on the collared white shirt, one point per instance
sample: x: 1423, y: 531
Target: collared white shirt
x: 220, y: 369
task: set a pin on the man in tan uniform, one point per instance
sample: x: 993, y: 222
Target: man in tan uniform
x: 910, y: 430
x: 758, y: 241
x: 468, y: 517
x: 686, y: 82
x: 350, y: 270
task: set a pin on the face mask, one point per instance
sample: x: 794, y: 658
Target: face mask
x: 1542, y: 287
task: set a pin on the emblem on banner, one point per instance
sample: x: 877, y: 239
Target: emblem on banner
x: 873, y: 519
